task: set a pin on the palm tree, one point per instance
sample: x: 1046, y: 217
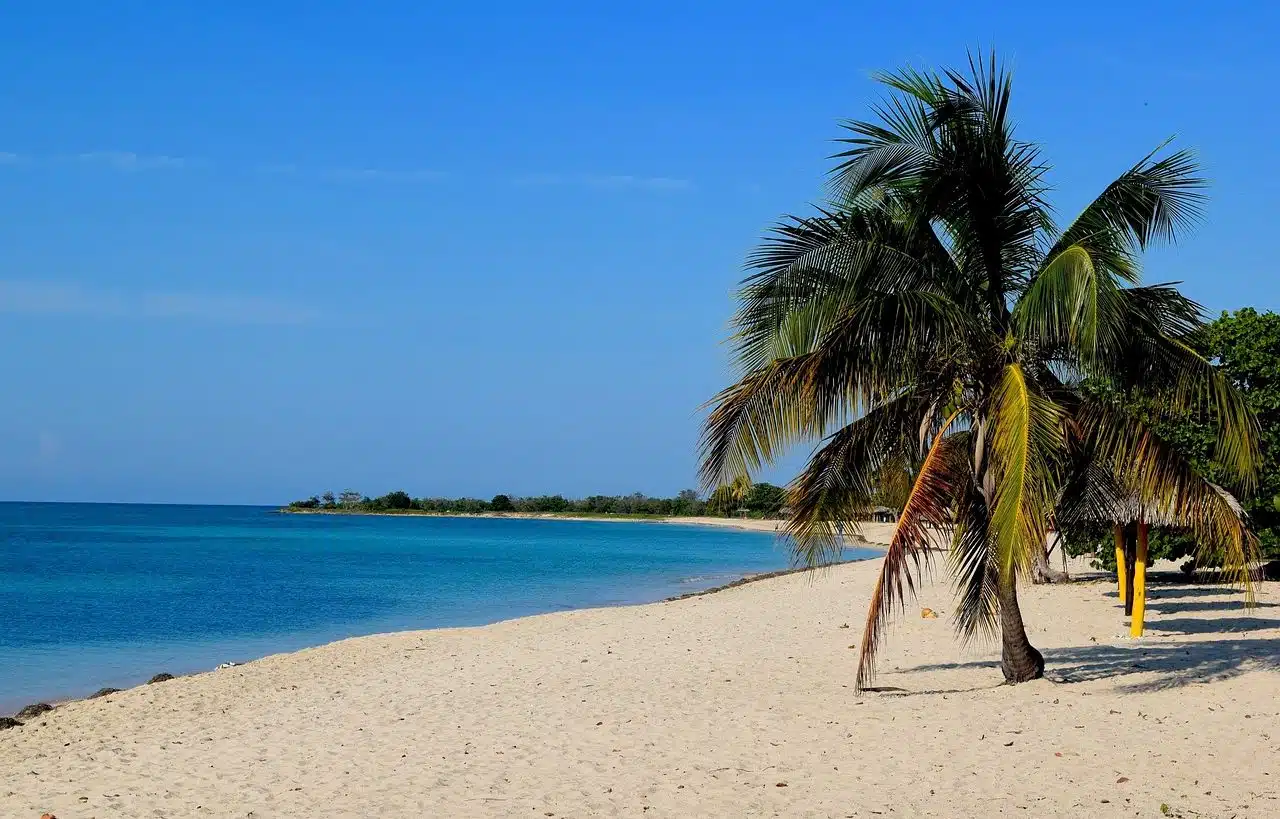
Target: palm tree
x: 934, y: 321
x: 729, y: 496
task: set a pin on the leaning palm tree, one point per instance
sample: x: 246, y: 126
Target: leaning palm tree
x: 933, y: 321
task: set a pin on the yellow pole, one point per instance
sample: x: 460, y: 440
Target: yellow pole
x: 1120, y: 561
x: 1139, y: 583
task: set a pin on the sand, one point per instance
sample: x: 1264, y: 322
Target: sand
x: 747, y: 524
x: 738, y: 703
x: 873, y: 533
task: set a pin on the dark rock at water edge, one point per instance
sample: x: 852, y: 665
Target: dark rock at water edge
x: 102, y: 692
x: 160, y: 678
x: 34, y: 710
x: 9, y: 722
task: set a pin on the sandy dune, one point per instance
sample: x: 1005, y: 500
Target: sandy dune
x: 732, y: 704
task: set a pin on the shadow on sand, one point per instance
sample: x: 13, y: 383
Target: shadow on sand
x: 1162, y: 665
x: 1165, y: 665
x: 1160, y: 605
x: 1163, y: 588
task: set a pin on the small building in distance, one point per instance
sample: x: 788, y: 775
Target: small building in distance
x: 881, y: 514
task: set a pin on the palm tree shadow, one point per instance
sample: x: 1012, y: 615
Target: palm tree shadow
x: 1156, y: 666
x: 1159, y: 605
x: 1171, y: 590
x: 1220, y: 625
x: 1165, y: 666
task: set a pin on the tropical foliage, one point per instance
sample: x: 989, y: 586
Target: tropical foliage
x: 1244, y: 346
x: 934, y: 325
x: 762, y: 500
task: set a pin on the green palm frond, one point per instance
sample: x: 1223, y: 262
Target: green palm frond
x: 878, y: 347
x: 1027, y: 446
x: 894, y: 150
x: 1153, y: 363
x: 821, y: 266
x: 972, y: 562
x: 1074, y: 305
x: 1155, y: 200
x: 1165, y: 309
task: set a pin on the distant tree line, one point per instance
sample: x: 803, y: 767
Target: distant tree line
x: 760, y: 500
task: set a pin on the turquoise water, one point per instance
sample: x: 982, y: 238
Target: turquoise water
x: 96, y: 595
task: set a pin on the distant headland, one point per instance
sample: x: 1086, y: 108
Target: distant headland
x: 761, y: 501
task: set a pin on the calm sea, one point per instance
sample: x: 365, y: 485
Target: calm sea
x: 95, y: 595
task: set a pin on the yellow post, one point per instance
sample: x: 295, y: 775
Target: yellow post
x: 1139, y: 583
x: 1120, y: 560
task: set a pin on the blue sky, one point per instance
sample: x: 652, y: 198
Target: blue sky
x: 252, y: 251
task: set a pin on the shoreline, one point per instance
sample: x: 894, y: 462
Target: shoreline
x: 765, y: 525
x: 758, y: 577
x: 744, y: 578
x: 697, y: 706
x: 601, y: 518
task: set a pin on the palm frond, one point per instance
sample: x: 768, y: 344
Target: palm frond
x: 881, y: 345
x: 972, y: 561
x: 1149, y: 361
x: 986, y: 186
x: 1027, y: 445
x: 1162, y: 486
x: 891, y: 152
x: 842, y: 478
x: 822, y: 265
x: 927, y: 510
x: 1155, y: 200
x: 1072, y: 305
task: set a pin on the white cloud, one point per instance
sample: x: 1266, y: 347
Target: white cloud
x: 380, y: 175
x: 128, y: 161
x: 355, y: 174
x: 48, y: 299
x: 614, y: 181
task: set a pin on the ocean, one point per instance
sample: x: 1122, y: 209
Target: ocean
x: 95, y: 595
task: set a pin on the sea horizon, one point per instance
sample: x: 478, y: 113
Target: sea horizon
x: 109, y: 594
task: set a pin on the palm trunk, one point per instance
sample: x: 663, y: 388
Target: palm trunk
x: 1042, y: 572
x: 1019, y: 660
x: 1130, y: 555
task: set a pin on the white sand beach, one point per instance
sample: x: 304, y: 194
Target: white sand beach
x: 873, y: 533
x: 738, y: 703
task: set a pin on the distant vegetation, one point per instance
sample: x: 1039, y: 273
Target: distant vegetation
x: 758, y: 500
x: 1244, y: 346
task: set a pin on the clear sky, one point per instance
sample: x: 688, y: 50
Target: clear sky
x: 251, y: 251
